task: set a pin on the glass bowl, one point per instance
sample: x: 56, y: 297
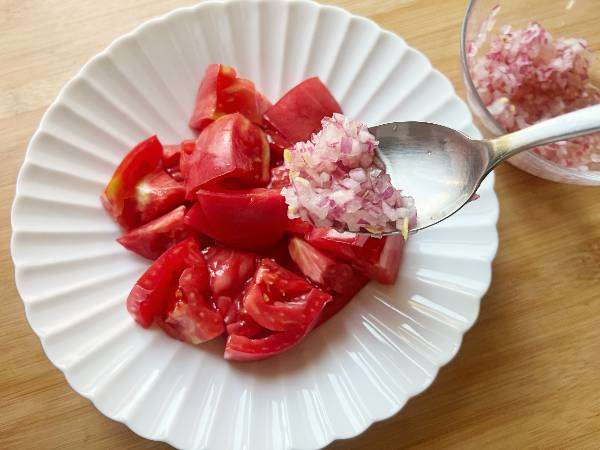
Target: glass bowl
x: 568, y: 18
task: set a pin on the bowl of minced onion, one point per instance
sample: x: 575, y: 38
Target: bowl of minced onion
x: 519, y: 70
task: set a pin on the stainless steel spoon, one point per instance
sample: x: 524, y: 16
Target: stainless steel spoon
x: 442, y: 168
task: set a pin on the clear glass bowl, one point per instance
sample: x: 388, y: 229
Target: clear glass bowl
x: 569, y: 18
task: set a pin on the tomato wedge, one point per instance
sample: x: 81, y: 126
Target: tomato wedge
x: 242, y: 348
x: 190, y: 319
x: 221, y: 93
x: 229, y: 270
x: 319, y: 267
x: 231, y: 150
x: 277, y: 298
x: 172, y: 156
x: 155, y: 195
x: 142, y: 160
x: 251, y: 219
x: 379, y: 259
x: 243, y: 97
x: 209, y: 97
x: 155, y: 290
x: 154, y: 238
x: 298, y: 114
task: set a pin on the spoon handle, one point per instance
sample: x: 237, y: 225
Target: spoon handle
x: 559, y: 128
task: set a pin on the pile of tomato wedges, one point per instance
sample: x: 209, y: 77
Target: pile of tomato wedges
x: 227, y: 261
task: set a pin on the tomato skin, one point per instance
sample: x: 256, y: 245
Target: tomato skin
x: 379, y: 259
x: 230, y: 150
x: 242, y: 97
x: 209, y: 96
x: 242, y: 348
x: 252, y: 219
x: 319, y: 267
x: 221, y: 93
x: 154, y: 291
x: 190, y: 318
x: 298, y: 227
x: 246, y: 327
x: 341, y: 299
x: 298, y: 114
x: 154, y: 238
x: 142, y: 160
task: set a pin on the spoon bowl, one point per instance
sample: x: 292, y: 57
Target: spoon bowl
x: 439, y: 167
x: 442, y: 168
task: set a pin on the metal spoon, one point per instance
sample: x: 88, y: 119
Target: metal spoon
x: 442, y: 168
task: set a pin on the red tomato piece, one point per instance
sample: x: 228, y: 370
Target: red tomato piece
x: 190, y: 319
x: 243, y: 97
x: 298, y: 227
x: 276, y: 299
x: 249, y: 219
x: 279, y: 284
x: 247, y: 327
x: 277, y: 142
x: 241, y: 348
x: 319, y: 267
x: 298, y: 114
x: 341, y: 299
x: 157, y: 194
x: 221, y: 93
x: 155, y: 290
x: 142, y: 160
x: 209, y: 97
x: 386, y: 269
x: 379, y: 259
x: 276, y: 316
x: 154, y: 238
x: 229, y: 270
x: 172, y: 157
x: 232, y: 149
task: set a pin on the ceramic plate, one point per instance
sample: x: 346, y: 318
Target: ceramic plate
x: 364, y: 364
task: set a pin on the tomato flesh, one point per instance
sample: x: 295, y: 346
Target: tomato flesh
x: 229, y: 270
x: 277, y: 299
x: 221, y: 93
x: 156, y: 194
x: 142, y: 160
x: 379, y: 259
x: 209, y: 97
x: 230, y: 150
x: 172, y: 157
x: 243, y: 97
x: 155, y: 290
x: 154, y: 238
x: 242, y: 348
x: 191, y: 319
x: 299, y: 112
x: 319, y: 267
x: 251, y: 219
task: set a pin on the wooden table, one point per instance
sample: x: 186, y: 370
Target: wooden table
x: 528, y: 374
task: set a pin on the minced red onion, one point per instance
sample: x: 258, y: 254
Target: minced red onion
x: 527, y: 76
x: 338, y: 182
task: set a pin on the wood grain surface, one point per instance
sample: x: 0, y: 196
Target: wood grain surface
x: 528, y: 374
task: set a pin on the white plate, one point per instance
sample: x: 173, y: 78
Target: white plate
x: 363, y: 365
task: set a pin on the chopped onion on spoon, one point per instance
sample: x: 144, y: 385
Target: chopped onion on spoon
x: 338, y: 182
